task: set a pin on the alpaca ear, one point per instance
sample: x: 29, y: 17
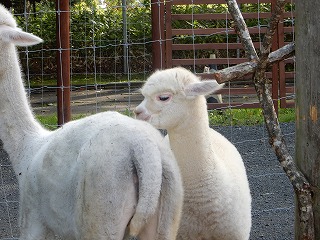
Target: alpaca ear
x: 17, y: 36
x: 202, y: 88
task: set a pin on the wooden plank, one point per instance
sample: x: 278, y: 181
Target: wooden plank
x: 248, y: 78
x: 212, y: 106
x: 223, y: 16
x: 238, y: 91
x: 214, y: 46
x: 290, y: 89
x: 202, y: 46
x: 196, y: 2
x: 210, y: 31
x: 207, y: 61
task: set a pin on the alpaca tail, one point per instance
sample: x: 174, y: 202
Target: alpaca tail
x: 171, y: 199
x: 160, y: 192
x: 147, y: 161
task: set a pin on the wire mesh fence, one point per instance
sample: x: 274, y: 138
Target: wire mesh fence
x: 111, y: 56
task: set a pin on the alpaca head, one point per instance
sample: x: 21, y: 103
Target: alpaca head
x: 10, y: 33
x: 6, y: 17
x: 171, y: 95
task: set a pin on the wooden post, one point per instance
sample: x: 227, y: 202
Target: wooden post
x: 308, y: 100
x: 275, y: 67
x: 63, y: 61
x: 158, y: 41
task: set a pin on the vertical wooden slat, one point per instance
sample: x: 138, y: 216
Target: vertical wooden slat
x: 63, y: 61
x: 168, y: 35
x: 275, y: 67
x: 281, y: 65
x: 158, y: 44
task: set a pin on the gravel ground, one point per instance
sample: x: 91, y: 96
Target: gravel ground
x: 273, y: 201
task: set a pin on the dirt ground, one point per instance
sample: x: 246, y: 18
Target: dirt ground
x: 88, y: 101
x: 105, y: 99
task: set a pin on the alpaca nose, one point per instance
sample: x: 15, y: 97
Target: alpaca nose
x: 141, y: 114
x: 137, y: 112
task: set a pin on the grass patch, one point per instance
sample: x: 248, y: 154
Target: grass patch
x: 226, y: 117
x: 246, y: 116
x: 48, y: 121
x: 287, y: 115
x: 51, y: 121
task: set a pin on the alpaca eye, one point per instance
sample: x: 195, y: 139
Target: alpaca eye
x: 164, y: 98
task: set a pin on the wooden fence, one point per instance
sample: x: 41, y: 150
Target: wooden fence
x: 168, y: 50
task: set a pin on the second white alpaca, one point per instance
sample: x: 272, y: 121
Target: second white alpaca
x: 217, y: 201
x: 91, y: 178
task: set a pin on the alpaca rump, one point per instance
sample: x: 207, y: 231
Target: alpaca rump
x: 99, y: 177
x: 217, y: 200
x: 103, y: 179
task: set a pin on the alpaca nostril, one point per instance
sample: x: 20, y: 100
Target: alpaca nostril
x: 137, y: 112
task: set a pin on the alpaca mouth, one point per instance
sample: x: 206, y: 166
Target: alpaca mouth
x: 146, y: 118
x: 143, y: 117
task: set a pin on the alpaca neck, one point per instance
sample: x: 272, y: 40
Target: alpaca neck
x: 18, y: 127
x: 194, y: 120
x: 190, y: 141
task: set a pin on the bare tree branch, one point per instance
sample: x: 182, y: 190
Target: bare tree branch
x: 267, y: 41
x: 240, y: 70
x: 242, y: 30
x: 300, y: 184
x: 283, y: 53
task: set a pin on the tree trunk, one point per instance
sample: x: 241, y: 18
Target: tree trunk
x: 308, y: 101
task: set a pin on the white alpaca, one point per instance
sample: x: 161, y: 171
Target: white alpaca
x: 217, y: 201
x: 92, y: 177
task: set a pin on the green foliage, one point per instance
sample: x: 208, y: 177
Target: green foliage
x: 51, y: 121
x: 97, y: 42
x: 96, y: 37
x: 287, y: 115
x: 235, y: 117
x: 48, y: 121
x: 246, y: 116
